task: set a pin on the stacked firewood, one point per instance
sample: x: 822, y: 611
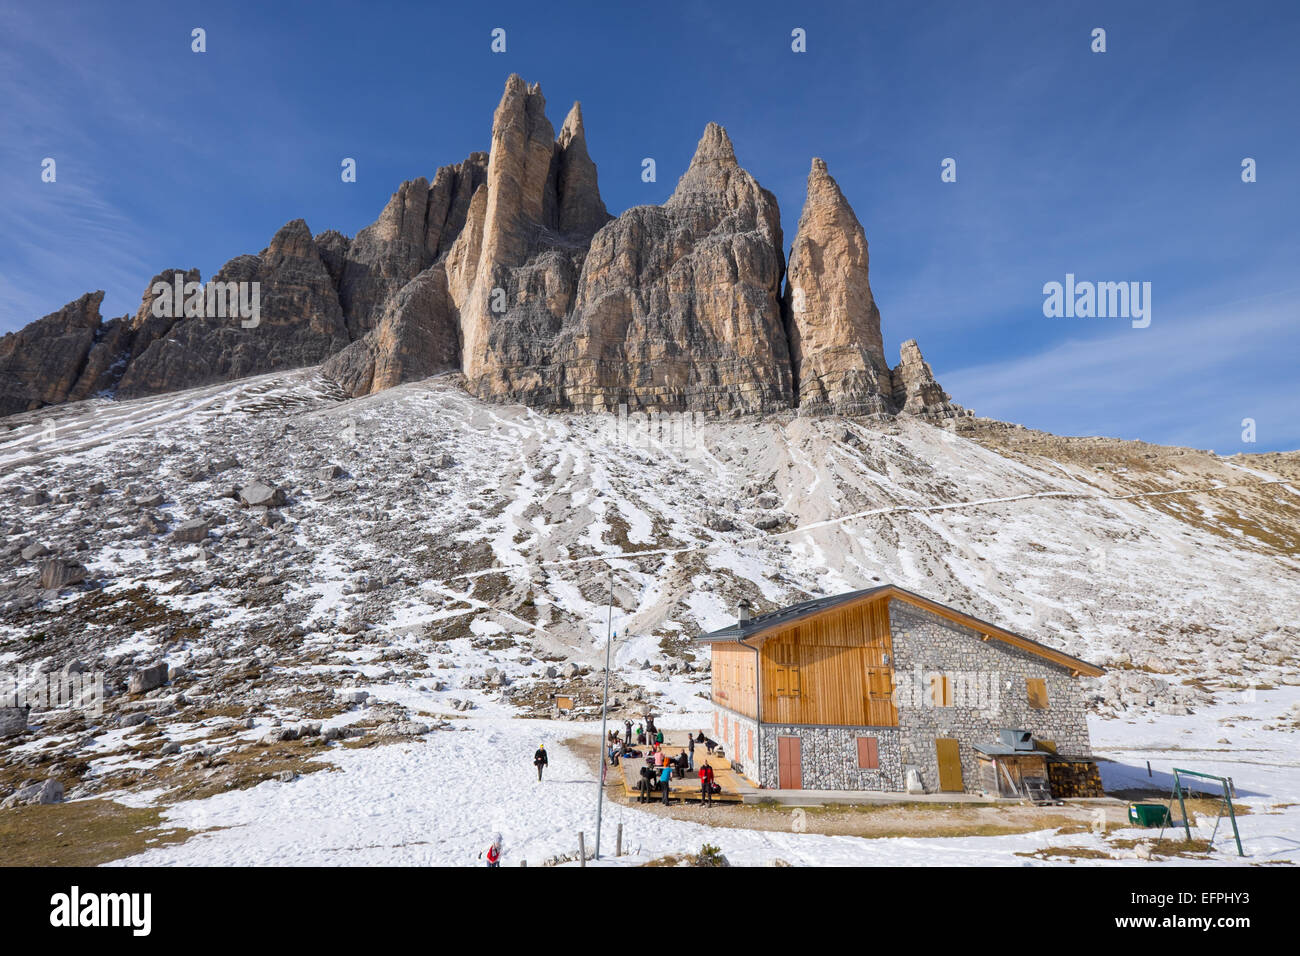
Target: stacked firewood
x: 1074, y: 778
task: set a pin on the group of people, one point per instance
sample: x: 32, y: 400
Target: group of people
x: 647, y: 734
x: 643, y: 735
x: 660, y: 769
x: 616, y: 747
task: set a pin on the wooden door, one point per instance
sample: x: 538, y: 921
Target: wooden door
x: 949, y: 765
x: 789, y: 766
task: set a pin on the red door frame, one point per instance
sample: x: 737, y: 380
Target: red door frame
x: 789, y: 763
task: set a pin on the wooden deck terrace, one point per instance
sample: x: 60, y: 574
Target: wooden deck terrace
x: 688, y: 788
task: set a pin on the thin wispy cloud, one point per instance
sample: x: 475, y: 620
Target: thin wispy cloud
x: 1183, y: 380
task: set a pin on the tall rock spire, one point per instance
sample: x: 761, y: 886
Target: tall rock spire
x: 831, y: 316
x: 521, y: 208
x: 581, y: 211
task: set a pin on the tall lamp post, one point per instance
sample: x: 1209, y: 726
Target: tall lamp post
x: 604, y: 711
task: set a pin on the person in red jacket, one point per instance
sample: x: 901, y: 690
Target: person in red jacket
x: 494, y: 851
x: 706, y: 783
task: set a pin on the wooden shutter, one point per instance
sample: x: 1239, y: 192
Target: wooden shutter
x: 868, y: 753
x: 1037, y: 693
x: 941, y: 690
x: 880, y: 697
x: 749, y: 735
x: 787, y: 669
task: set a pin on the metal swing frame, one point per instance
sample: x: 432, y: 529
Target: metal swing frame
x: 1178, y: 791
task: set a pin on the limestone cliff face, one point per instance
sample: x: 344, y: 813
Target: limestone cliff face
x: 678, y: 305
x: 332, y: 247
x: 122, y: 340
x: 419, y: 223
x: 830, y: 313
x: 462, y: 257
x: 300, y: 323
x: 506, y: 254
x: 41, y: 364
x: 417, y: 336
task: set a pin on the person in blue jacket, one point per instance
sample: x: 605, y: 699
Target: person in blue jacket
x: 664, y: 776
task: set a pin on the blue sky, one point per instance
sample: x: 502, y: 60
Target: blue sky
x: 1116, y: 166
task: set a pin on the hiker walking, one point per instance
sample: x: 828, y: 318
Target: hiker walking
x: 540, y: 761
x: 706, y: 783
x: 494, y: 851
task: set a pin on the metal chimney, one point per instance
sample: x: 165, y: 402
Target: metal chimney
x: 742, y: 612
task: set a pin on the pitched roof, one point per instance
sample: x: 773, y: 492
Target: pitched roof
x: 794, y: 612
x: 764, y: 625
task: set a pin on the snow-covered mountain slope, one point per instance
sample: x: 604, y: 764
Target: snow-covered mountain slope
x: 457, y: 519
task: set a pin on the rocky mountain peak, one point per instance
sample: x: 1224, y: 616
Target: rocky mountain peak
x: 831, y: 316
x: 915, y: 390
x: 293, y: 238
x: 822, y: 187
x: 714, y: 147
x: 572, y: 128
